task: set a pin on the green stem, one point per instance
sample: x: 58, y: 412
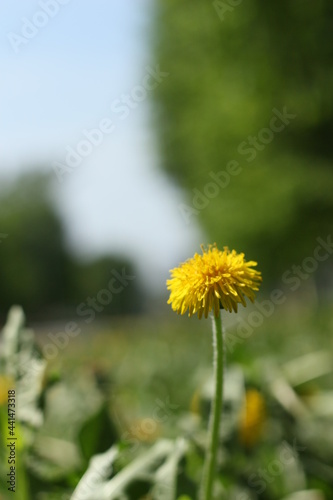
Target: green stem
x: 215, y: 414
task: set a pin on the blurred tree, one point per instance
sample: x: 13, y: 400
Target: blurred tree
x: 36, y: 270
x: 250, y: 83
x: 33, y: 260
x: 122, y: 295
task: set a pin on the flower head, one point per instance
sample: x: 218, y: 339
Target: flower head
x: 212, y: 280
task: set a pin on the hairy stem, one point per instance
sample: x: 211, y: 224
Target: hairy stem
x: 215, y: 414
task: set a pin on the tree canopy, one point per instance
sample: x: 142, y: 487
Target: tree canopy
x: 245, y: 121
x: 38, y: 272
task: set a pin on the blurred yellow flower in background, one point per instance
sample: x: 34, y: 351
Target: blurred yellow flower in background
x: 144, y: 430
x: 252, y: 418
x: 213, y: 280
x: 6, y: 383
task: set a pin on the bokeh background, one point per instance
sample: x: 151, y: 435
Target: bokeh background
x: 143, y: 192
x: 116, y: 201
x: 132, y: 132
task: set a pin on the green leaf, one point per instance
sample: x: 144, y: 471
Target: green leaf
x: 97, y: 433
x: 21, y: 360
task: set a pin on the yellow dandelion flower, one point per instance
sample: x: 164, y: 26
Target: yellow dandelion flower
x: 252, y: 418
x: 145, y: 430
x: 6, y: 383
x: 213, y: 280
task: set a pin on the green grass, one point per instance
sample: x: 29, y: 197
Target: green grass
x: 133, y: 380
x: 169, y: 357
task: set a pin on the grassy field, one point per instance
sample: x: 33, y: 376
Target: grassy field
x: 141, y: 383
x: 170, y: 357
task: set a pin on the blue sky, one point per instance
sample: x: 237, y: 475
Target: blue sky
x: 61, y: 82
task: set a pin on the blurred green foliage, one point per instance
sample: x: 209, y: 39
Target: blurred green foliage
x: 33, y: 260
x: 230, y: 65
x: 143, y: 429
x: 37, y: 270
